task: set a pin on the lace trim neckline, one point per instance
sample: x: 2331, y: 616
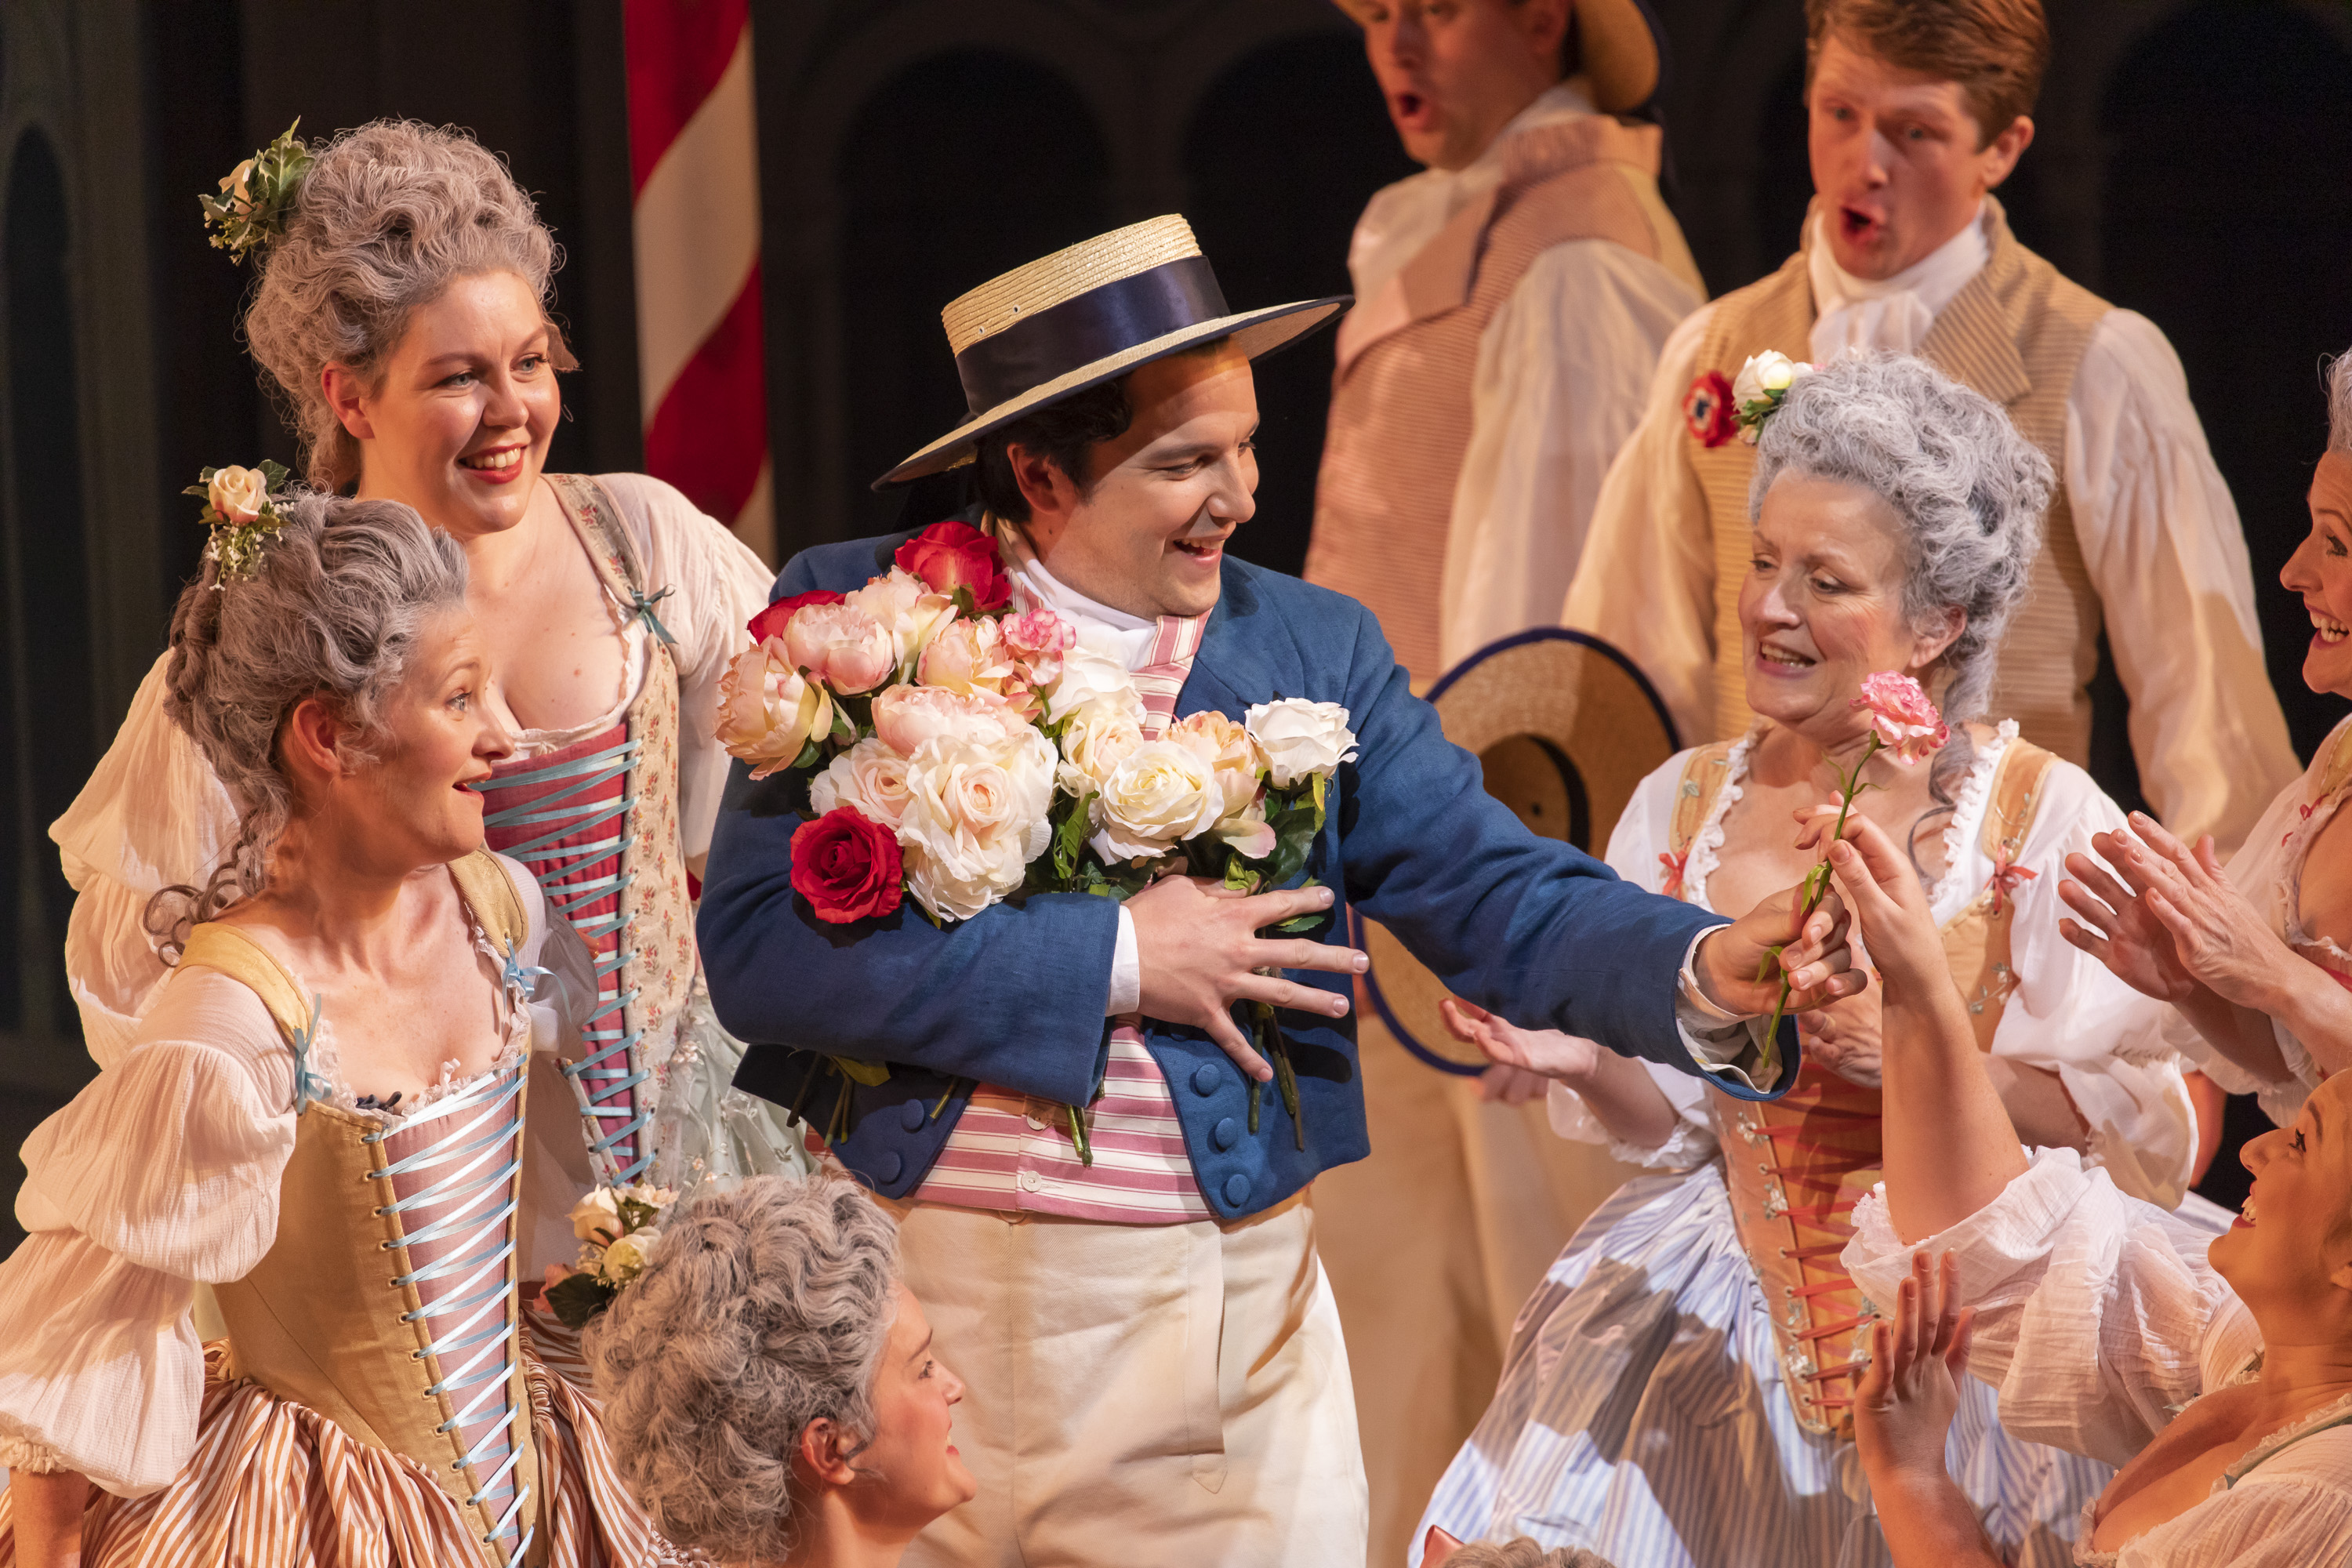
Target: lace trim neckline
x: 1966, y: 827
x: 2313, y: 816
x: 326, y: 1061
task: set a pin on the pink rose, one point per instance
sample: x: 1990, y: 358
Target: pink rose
x: 1906, y: 721
x: 771, y: 621
x: 966, y: 656
x: 1038, y: 640
x: 906, y: 716
x: 912, y: 612
x: 842, y: 646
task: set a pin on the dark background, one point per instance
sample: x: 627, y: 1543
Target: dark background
x: 2190, y: 164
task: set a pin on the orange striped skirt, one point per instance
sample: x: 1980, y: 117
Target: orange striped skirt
x: 273, y: 1484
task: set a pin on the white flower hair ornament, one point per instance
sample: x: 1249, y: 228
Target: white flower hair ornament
x: 250, y: 210
x: 1763, y: 385
x: 241, y: 514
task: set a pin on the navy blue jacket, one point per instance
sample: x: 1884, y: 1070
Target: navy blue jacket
x: 1529, y: 927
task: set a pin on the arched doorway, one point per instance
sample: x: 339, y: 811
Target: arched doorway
x: 961, y: 166
x: 1284, y: 148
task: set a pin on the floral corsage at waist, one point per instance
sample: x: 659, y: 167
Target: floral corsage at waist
x: 617, y: 1227
x: 1718, y: 410
x: 960, y: 753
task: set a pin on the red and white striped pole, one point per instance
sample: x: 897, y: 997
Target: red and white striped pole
x: 693, y: 161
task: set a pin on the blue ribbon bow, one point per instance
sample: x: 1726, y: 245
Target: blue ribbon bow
x: 518, y: 972
x: 308, y: 1086
x: 641, y: 605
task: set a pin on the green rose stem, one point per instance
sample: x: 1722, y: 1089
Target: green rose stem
x: 1817, y: 883
x: 1272, y: 1043
x: 1078, y: 1135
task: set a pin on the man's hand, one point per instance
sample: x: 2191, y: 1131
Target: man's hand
x: 1201, y: 953
x: 1819, y: 967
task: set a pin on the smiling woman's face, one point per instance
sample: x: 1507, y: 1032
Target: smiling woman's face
x: 917, y: 1472
x: 2320, y: 571
x: 2289, y: 1252
x: 1822, y: 607
x: 458, y: 418
x: 416, y: 802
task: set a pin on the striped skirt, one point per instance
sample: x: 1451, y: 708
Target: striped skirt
x: 1641, y: 1413
x: 273, y: 1484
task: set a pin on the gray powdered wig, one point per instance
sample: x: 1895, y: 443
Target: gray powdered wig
x: 762, y: 1308
x: 342, y: 592
x: 1970, y: 492
x: 2339, y: 404
x: 388, y: 217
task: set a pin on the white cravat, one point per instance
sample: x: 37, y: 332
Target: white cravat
x: 1398, y: 220
x: 1894, y: 313
x: 1125, y: 637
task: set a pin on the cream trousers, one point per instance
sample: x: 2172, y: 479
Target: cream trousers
x: 1140, y: 1395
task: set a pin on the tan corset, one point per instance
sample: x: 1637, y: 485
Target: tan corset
x: 1796, y: 1166
x: 332, y: 1318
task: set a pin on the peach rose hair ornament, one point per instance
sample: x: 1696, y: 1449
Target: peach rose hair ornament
x: 1904, y: 722
x: 250, y: 210
x: 239, y: 511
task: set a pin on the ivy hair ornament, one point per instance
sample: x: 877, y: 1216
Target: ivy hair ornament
x: 241, y: 514
x: 251, y: 209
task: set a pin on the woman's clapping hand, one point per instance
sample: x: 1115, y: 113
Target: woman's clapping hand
x: 2166, y: 921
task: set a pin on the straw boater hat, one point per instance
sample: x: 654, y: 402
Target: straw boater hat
x: 1088, y: 315
x: 1565, y: 727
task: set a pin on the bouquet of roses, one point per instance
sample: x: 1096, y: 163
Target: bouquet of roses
x: 960, y: 754
x: 617, y: 1227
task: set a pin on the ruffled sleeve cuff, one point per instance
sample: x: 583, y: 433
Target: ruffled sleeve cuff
x: 1691, y: 1143
x: 29, y: 1456
x: 2009, y: 1235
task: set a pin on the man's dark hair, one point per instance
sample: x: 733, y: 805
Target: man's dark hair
x: 1064, y: 434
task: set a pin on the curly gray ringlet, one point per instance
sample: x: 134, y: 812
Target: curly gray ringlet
x: 762, y: 1307
x: 342, y: 594
x: 1970, y: 491
x: 388, y: 217
x: 2338, y: 372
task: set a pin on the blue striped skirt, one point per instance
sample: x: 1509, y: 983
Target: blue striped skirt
x: 1641, y: 1413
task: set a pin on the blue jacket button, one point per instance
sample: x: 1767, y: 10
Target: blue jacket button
x: 1205, y: 1078
x: 911, y: 1116
x: 887, y: 1166
x: 1223, y: 1133
x: 1236, y: 1190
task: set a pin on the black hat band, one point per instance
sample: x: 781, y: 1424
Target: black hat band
x: 1087, y: 328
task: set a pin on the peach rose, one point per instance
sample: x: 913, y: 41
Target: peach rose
x: 238, y: 494
x: 966, y: 656
x: 842, y: 646
x: 906, y: 716
x: 912, y: 612
x: 767, y: 713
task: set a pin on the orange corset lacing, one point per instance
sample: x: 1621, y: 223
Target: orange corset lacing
x: 1795, y: 1168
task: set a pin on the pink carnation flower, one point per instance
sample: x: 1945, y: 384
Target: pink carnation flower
x: 1906, y: 721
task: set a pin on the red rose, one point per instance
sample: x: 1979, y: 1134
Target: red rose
x: 1707, y: 408
x: 951, y: 555
x: 847, y: 867
x: 770, y: 622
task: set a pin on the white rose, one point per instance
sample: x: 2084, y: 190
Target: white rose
x: 767, y: 712
x: 911, y: 611
x: 974, y: 819
x: 597, y: 1216
x: 869, y: 777
x: 1300, y: 738
x: 1098, y: 737
x: 1159, y: 794
x: 1229, y: 751
x: 626, y: 1258
x: 1764, y: 374
x: 238, y: 494
x: 1090, y: 675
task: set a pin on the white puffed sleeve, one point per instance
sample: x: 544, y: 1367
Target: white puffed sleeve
x: 162, y: 1173
x: 1635, y: 849
x: 153, y: 815
x: 721, y: 585
x: 2071, y: 1016
x: 2097, y: 1315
